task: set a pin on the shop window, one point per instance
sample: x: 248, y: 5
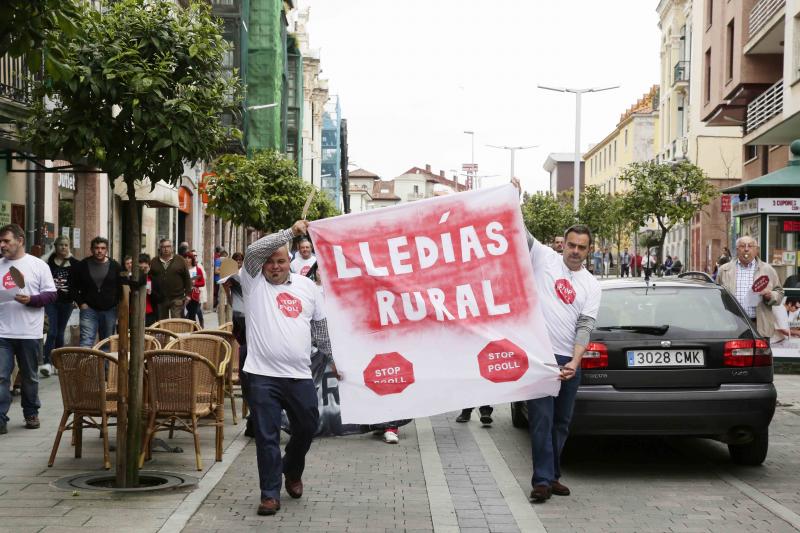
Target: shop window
x: 783, y: 234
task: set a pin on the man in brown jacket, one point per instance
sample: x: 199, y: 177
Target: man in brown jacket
x: 738, y: 276
x: 171, y: 282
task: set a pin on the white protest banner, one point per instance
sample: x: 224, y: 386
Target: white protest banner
x: 432, y: 307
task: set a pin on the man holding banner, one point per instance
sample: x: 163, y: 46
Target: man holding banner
x: 283, y: 314
x: 570, y: 298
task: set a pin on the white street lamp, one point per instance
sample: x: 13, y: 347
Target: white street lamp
x: 577, y: 169
x: 261, y: 106
x: 513, y: 150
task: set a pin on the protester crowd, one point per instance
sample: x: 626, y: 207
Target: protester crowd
x: 272, y: 294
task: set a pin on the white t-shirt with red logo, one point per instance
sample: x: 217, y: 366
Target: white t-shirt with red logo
x: 18, y: 321
x: 302, y: 266
x: 278, y: 319
x: 563, y: 296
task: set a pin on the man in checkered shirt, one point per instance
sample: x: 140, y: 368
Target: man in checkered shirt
x: 738, y: 276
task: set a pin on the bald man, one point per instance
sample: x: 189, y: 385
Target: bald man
x: 738, y: 276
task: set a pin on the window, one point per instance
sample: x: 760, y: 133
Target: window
x: 626, y: 137
x: 615, y: 151
x: 750, y: 152
x: 707, y: 79
x: 416, y: 189
x: 729, y: 51
x: 709, y: 13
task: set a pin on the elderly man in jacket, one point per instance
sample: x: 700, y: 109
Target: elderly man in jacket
x: 738, y: 277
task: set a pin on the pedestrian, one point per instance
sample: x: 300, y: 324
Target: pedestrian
x: 638, y: 260
x: 304, y: 259
x: 738, y: 277
x: 558, y: 244
x: 389, y: 431
x: 27, y: 287
x: 726, y: 253
x: 569, y: 321
x: 127, y: 264
x: 608, y: 262
x: 61, y: 265
x: 597, y: 260
x: 625, y: 264
x: 484, y: 410
x: 98, y: 288
x: 170, y: 276
x: 183, y: 249
x: 151, y: 313
x: 284, y: 313
x: 668, y: 266
x: 194, y: 310
x: 677, y: 266
x: 217, y: 262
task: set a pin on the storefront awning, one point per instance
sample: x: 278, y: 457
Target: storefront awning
x: 162, y: 195
x: 783, y: 183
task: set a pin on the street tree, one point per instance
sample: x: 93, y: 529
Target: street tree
x: 140, y: 91
x: 620, y: 221
x: 263, y: 192
x: 545, y: 216
x: 667, y: 193
x: 594, y: 211
x: 28, y: 26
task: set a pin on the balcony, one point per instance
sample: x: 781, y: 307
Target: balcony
x: 762, y: 13
x: 680, y: 75
x: 765, y: 106
x: 15, y: 80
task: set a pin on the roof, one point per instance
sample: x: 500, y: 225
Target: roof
x: 781, y: 183
x: 380, y: 186
x: 558, y: 157
x: 362, y: 173
x: 436, y: 178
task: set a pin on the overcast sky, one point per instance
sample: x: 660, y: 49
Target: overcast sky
x: 412, y: 75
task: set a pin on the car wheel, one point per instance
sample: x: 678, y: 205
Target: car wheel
x: 753, y: 453
x: 518, y: 418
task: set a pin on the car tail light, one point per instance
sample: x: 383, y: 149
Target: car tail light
x: 763, y: 353
x: 747, y: 352
x: 595, y: 356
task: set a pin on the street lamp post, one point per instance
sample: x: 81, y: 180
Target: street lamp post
x: 512, y: 150
x: 577, y: 168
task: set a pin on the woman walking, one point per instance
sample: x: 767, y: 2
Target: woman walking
x: 193, y: 309
x: 58, y: 312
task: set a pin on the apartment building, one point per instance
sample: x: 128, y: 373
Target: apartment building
x: 632, y: 140
x: 561, y: 167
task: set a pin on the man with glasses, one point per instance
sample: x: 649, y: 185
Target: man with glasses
x: 738, y: 277
x: 171, y: 282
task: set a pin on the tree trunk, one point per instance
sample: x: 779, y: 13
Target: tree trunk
x: 122, y: 390
x: 136, y: 353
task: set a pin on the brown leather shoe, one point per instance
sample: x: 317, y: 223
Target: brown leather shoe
x: 269, y: 506
x: 32, y: 422
x: 294, y: 487
x: 541, y: 493
x: 560, y: 489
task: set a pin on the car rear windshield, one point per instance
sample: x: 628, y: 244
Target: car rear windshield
x: 709, y: 311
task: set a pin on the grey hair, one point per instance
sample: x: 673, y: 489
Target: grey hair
x: 744, y: 237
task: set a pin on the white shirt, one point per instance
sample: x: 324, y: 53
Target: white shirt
x: 18, y: 321
x: 278, y: 319
x: 563, y: 296
x: 302, y: 266
x: 781, y: 322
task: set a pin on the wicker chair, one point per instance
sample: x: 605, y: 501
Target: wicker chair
x: 111, y: 344
x: 183, y: 389
x: 215, y: 349
x: 227, y: 326
x: 231, y: 368
x: 163, y: 336
x: 82, y: 376
x: 178, y: 325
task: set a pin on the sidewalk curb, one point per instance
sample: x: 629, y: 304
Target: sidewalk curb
x: 189, y: 506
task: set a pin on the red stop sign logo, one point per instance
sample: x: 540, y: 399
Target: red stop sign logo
x: 291, y: 306
x: 502, y: 361
x: 565, y: 291
x: 389, y: 373
x: 8, y: 282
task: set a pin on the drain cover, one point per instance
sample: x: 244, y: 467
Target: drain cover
x: 104, y: 481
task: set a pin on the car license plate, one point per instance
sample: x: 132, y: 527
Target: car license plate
x: 665, y: 358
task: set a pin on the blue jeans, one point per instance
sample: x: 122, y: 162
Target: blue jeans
x: 94, y: 322
x: 549, y: 419
x: 27, y: 353
x: 267, y: 396
x: 58, y: 314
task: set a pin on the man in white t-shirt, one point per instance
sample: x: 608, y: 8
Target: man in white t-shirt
x: 284, y: 314
x: 27, y: 286
x: 304, y: 259
x: 569, y: 297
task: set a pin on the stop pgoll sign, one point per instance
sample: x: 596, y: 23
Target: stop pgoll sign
x: 389, y: 373
x: 502, y: 360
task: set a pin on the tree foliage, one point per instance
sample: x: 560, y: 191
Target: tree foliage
x: 594, y: 210
x: 28, y: 26
x: 667, y: 193
x: 262, y: 192
x: 545, y: 216
x: 139, y: 91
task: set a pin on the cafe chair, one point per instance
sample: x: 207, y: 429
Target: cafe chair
x: 178, y: 325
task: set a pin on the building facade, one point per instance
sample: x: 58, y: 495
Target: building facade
x: 561, y: 167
